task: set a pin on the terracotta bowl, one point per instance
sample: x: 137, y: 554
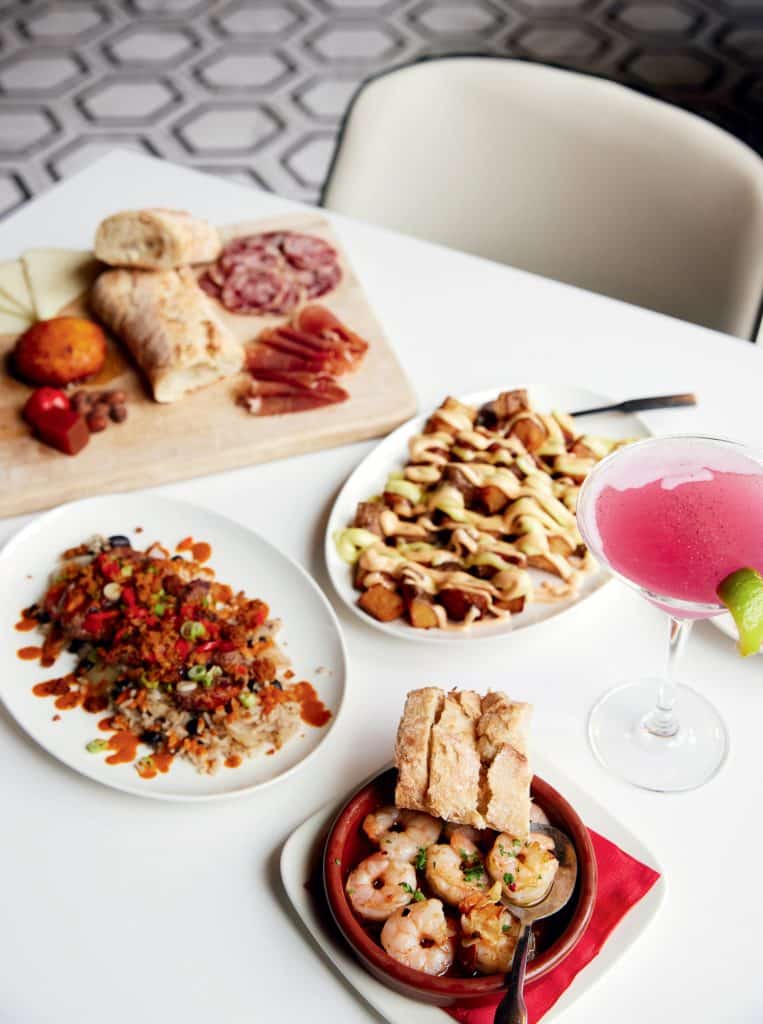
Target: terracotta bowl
x: 556, y: 937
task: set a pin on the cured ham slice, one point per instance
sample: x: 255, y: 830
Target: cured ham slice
x: 264, y: 357
x: 280, y: 405
x: 320, y: 322
x: 293, y: 366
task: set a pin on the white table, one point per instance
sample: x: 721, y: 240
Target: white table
x: 119, y: 909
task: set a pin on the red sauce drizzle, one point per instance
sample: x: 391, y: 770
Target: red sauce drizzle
x: 312, y: 709
x: 200, y: 550
x: 52, y: 687
x: 25, y: 625
x: 29, y: 653
x: 69, y: 700
x: 95, y: 702
x: 125, y: 747
x: 151, y: 766
x: 233, y: 761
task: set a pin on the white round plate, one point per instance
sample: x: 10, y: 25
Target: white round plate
x: 392, y: 453
x: 310, y: 635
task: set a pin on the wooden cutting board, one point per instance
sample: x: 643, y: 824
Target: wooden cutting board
x: 207, y: 431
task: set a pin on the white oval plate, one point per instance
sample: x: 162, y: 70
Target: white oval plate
x: 392, y: 453
x: 310, y: 635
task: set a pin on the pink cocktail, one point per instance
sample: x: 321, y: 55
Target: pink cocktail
x: 672, y: 517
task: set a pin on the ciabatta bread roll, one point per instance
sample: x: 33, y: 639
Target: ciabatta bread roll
x: 464, y: 758
x: 170, y: 326
x: 156, y: 240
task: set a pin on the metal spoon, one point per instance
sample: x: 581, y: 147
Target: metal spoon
x: 512, y: 1008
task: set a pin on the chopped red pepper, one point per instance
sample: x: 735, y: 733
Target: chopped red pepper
x: 182, y: 647
x: 108, y: 567
x: 128, y: 596
x: 96, y: 621
x: 210, y: 645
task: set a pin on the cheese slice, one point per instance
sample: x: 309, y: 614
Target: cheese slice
x: 13, y: 288
x: 56, y: 277
x: 13, y: 323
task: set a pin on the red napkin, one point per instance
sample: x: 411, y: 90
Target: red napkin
x: 623, y: 881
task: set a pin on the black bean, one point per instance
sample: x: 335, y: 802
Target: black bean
x: 151, y: 736
x: 43, y: 617
x: 192, y: 726
x: 276, y: 684
x: 253, y: 685
x: 31, y: 612
x: 120, y: 686
x: 178, y: 558
x: 87, y: 663
x: 118, y: 540
x: 75, y: 645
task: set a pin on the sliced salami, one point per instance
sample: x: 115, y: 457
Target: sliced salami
x: 252, y: 291
x: 325, y: 279
x: 247, y: 268
x: 306, y: 252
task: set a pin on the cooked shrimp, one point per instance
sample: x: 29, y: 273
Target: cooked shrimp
x: 380, y: 885
x: 457, y: 870
x: 489, y: 932
x: 474, y: 835
x: 525, y: 869
x: 402, y: 834
x: 538, y: 816
x: 421, y: 937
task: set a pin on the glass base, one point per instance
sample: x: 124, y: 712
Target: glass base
x: 668, y: 764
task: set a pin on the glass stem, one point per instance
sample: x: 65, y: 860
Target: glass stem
x: 662, y: 720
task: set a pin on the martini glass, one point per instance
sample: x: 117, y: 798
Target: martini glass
x: 671, y: 517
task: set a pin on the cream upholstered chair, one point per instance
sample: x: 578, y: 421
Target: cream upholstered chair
x: 563, y: 174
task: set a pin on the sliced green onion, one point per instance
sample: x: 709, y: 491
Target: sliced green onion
x: 150, y: 684
x: 97, y: 746
x: 197, y: 673
x: 191, y: 630
x: 247, y: 699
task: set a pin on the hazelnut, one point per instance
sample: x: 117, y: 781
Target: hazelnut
x: 82, y: 402
x: 97, y: 422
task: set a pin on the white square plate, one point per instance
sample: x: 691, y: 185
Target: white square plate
x: 305, y: 845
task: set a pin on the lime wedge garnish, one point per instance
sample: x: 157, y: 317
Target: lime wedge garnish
x: 742, y: 593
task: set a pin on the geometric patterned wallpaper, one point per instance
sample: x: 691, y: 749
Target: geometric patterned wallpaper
x: 256, y: 90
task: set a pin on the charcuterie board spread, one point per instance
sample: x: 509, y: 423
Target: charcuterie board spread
x: 215, y: 350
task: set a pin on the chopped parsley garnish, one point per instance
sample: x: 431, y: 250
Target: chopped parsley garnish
x: 502, y: 849
x: 505, y: 928
x: 421, y: 859
x: 337, y: 861
x: 473, y: 874
x: 417, y: 894
x: 508, y: 878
